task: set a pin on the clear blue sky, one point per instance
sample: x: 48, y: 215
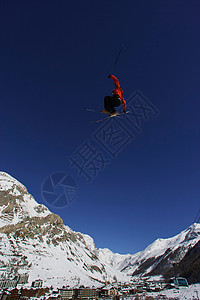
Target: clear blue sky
x: 55, y: 57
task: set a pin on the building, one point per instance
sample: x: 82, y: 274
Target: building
x: 104, y: 293
x: 67, y: 293
x: 11, y: 295
x: 36, y: 292
x: 180, y: 281
x: 22, y: 278
x: 85, y: 293
x: 7, y: 283
x: 176, y: 282
x: 112, y: 292
x: 37, y: 283
x: 108, y: 292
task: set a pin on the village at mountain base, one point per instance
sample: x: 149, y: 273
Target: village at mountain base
x: 147, y: 289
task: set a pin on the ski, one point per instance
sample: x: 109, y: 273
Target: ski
x: 94, y: 110
x: 110, y: 116
x: 102, y: 119
x: 99, y: 111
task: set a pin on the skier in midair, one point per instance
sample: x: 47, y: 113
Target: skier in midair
x: 110, y: 102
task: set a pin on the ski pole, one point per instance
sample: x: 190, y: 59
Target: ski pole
x: 122, y: 46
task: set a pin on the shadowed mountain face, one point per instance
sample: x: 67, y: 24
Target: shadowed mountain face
x: 33, y: 240
x: 167, y: 257
x: 188, y: 267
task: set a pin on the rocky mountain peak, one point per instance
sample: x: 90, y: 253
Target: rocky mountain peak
x: 16, y: 203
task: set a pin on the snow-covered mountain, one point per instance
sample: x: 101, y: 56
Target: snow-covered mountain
x: 159, y: 257
x: 167, y: 257
x: 33, y: 240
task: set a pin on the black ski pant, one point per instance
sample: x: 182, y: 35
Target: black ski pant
x: 110, y: 102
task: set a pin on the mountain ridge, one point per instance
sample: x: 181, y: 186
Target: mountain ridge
x: 36, y: 241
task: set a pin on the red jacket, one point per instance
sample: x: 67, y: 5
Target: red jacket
x: 118, y: 91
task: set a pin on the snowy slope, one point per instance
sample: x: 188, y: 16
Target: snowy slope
x: 65, y: 263
x: 113, y: 259
x: 157, y: 258
x: 36, y: 241
x: 161, y: 250
x: 186, y: 293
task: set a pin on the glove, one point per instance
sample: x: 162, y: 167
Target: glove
x: 109, y: 75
